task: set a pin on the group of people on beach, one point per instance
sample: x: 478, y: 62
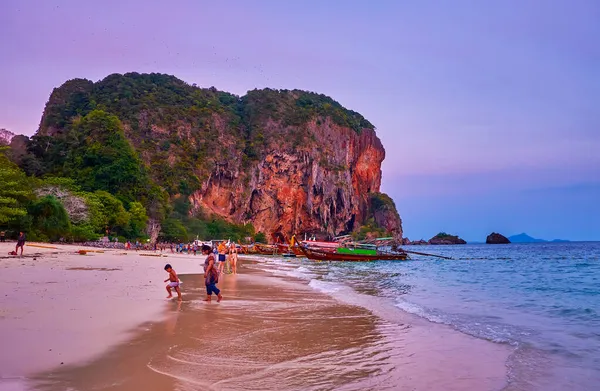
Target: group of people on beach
x: 211, y: 276
x: 225, y: 253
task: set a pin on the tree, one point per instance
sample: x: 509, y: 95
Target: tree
x: 102, y: 158
x: 112, y: 214
x: 14, y: 190
x: 50, y: 219
x: 138, y: 220
x: 260, y: 238
x: 172, y: 231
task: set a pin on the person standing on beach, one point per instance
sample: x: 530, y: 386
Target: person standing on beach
x: 222, y: 256
x: 2, y: 236
x: 173, y: 282
x: 20, y: 243
x: 211, y: 275
x: 233, y: 257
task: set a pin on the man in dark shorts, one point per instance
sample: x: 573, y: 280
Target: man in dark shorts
x: 222, y: 256
x: 20, y: 243
x: 211, y: 275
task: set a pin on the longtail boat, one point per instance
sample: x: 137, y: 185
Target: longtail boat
x: 265, y: 249
x: 283, y: 248
x: 290, y: 249
x: 321, y: 246
x: 354, y: 255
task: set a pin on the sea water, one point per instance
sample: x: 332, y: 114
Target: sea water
x: 543, y: 300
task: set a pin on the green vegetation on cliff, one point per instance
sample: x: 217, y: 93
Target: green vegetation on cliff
x: 383, y: 215
x: 101, y: 158
x: 381, y: 202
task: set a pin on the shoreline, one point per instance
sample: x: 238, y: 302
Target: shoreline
x: 423, y: 355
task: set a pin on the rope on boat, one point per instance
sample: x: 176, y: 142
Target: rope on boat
x: 429, y: 255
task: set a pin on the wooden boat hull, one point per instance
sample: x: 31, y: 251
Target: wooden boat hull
x: 282, y: 248
x: 287, y: 249
x: 265, y: 249
x: 321, y: 255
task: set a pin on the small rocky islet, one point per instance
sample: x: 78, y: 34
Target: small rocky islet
x: 440, y: 239
x: 496, y: 238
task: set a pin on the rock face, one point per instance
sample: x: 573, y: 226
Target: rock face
x: 385, y: 214
x: 419, y: 242
x: 496, y: 238
x: 289, y: 162
x: 444, y: 238
x: 322, y: 188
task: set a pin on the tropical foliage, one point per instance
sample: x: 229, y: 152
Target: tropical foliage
x: 15, y: 190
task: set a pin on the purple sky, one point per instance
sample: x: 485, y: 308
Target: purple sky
x: 488, y: 112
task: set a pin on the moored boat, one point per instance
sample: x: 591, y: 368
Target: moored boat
x: 266, y: 249
x: 283, y: 248
x: 353, y: 255
x: 321, y: 246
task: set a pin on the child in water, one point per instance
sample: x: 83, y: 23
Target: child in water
x: 173, y: 282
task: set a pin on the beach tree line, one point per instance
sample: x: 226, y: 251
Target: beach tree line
x: 62, y: 209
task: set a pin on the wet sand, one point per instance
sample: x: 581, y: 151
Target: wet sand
x: 269, y: 333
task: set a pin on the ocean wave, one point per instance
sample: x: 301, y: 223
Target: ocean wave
x: 415, y: 309
x: 481, y: 328
x: 287, y: 271
x: 325, y: 286
x: 301, y: 272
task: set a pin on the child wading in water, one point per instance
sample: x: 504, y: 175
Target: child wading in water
x: 211, y: 275
x: 174, y: 282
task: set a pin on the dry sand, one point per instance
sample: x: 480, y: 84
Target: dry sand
x: 63, y: 308
x: 114, y: 330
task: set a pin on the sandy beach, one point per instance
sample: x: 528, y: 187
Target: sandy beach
x: 101, y: 321
x: 60, y: 308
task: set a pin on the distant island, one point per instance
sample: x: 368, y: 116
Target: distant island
x: 496, y: 238
x: 524, y: 238
x: 444, y: 238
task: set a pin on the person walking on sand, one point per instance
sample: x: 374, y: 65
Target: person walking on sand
x: 2, y: 236
x: 211, y: 275
x: 222, y: 256
x: 20, y: 243
x: 173, y: 282
x: 233, y: 257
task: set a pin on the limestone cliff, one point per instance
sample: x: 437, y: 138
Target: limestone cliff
x: 321, y: 186
x: 286, y: 161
